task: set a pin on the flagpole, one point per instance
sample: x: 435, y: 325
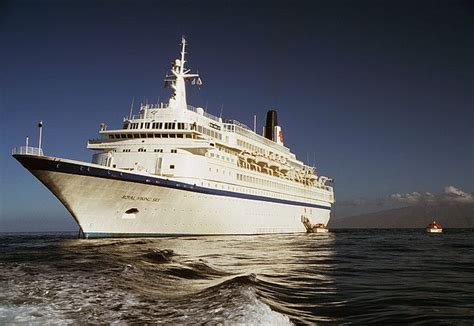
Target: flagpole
x: 40, y: 126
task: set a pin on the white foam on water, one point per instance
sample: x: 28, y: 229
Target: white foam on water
x: 252, y: 311
x: 31, y: 315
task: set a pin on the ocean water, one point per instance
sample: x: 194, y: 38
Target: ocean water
x: 344, y: 277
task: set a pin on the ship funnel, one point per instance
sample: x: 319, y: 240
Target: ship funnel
x: 272, y: 122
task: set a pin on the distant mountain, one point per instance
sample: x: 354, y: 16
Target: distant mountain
x: 450, y: 215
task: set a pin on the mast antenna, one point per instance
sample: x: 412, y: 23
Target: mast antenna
x: 131, y: 109
x: 183, y: 52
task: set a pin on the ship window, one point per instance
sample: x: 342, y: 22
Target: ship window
x: 123, y: 136
x: 150, y: 135
x: 129, y: 136
x: 171, y: 166
x: 143, y: 135
x: 188, y: 136
x: 179, y: 135
x: 167, y: 125
x: 160, y: 125
x: 147, y: 125
x: 157, y: 135
x: 173, y: 125
x: 172, y: 135
x: 174, y: 151
x: 141, y: 125
x: 136, y: 136
x: 164, y: 136
x: 111, y: 136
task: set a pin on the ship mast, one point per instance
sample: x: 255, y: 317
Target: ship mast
x: 177, y: 81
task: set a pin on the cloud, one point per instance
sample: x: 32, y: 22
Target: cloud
x: 413, y: 197
x: 452, y: 193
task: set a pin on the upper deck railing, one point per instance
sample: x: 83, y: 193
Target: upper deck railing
x: 204, y: 113
x: 27, y: 150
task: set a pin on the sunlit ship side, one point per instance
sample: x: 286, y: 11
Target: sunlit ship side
x: 176, y: 170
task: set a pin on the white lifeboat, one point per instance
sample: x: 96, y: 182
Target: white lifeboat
x: 261, y: 160
x: 284, y: 168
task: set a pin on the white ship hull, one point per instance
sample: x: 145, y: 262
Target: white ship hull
x: 110, y: 203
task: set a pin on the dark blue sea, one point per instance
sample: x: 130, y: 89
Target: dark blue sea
x: 344, y: 277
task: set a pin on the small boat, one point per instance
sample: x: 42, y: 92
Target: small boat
x: 313, y: 228
x: 434, y: 227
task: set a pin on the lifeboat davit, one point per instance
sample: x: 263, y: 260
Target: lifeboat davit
x: 434, y: 227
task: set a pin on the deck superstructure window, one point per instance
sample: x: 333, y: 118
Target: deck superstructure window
x: 174, y: 151
x: 171, y: 166
x: 147, y: 125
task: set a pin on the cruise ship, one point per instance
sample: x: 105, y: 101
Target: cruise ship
x: 175, y: 169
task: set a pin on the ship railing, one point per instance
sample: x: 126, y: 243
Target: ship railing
x: 207, y: 115
x: 27, y: 150
x: 250, y: 134
x: 237, y: 123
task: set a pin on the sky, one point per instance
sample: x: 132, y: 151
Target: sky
x: 378, y: 95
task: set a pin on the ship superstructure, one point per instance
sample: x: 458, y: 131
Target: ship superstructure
x: 176, y: 169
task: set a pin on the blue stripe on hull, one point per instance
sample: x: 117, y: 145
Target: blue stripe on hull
x: 35, y: 163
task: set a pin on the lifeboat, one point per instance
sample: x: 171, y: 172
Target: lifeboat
x: 261, y: 160
x: 284, y: 168
x: 250, y: 158
x: 274, y: 165
x: 312, y: 177
x: 434, y: 227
